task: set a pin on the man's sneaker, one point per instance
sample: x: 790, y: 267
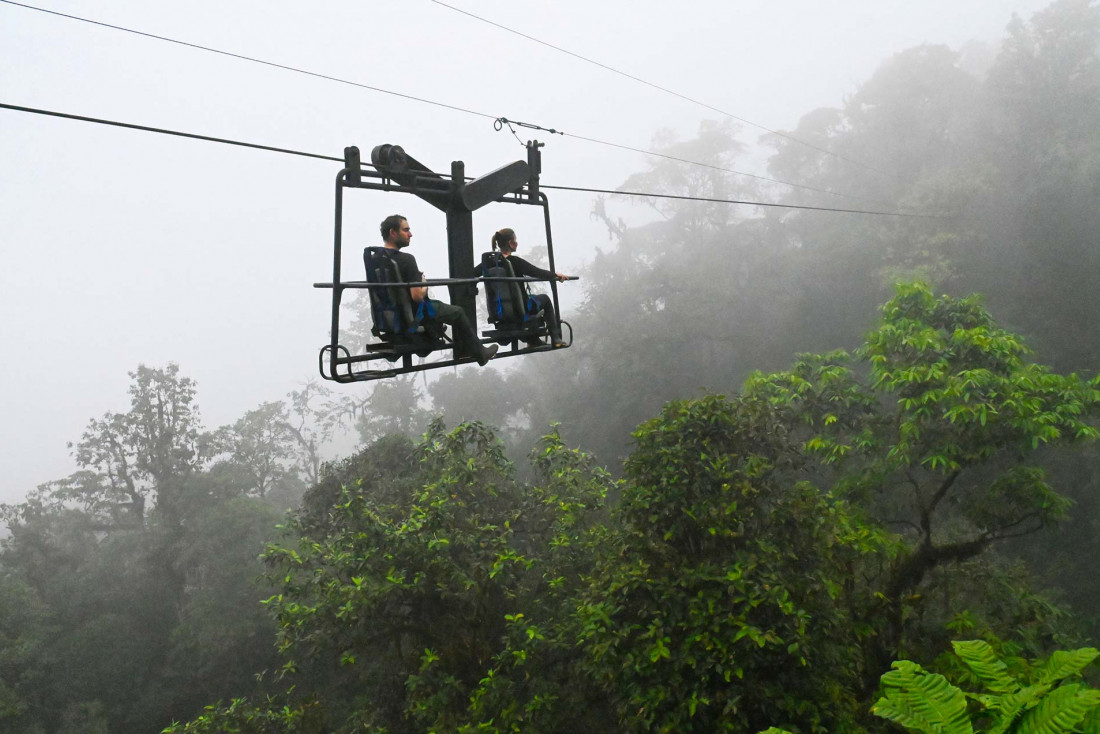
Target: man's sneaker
x: 486, y: 354
x: 533, y: 343
x: 558, y: 344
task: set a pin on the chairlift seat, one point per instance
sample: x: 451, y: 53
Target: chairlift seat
x: 399, y: 323
x: 509, y: 307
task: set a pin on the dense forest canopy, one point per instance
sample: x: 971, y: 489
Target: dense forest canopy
x: 799, y: 462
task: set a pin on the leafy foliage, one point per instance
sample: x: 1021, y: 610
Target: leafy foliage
x: 1042, y: 699
x: 741, y: 580
x: 24, y: 629
x: 241, y: 717
x: 932, y: 441
x: 722, y: 603
x: 442, y: 608
x: 922, y: 701
x: 118, y: 619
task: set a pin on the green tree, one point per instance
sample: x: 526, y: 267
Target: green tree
x: 222, y: 635
x: 1042, y: 157
x: 262, y: 449
x: 723, y: 602
x: 935, y: 440
x: 434, y: 592
x: 434, y: 603
x: 126, y: 619
x: 24, y: 631
x: 126, y: 459
x: 1006, y: 156
x: 132, y: 627
x: 312, y: 423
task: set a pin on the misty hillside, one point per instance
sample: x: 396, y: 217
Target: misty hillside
x: 789, y: 447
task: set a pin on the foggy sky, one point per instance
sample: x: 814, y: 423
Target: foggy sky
x: 123, y: 247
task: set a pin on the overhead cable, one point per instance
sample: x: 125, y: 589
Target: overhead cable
x: 253, y: 59
x: 666, y: 156
x: 165, y: 131
x: 620, y: 192
x: 288, y: 151
x: 785, y: 136
x: 499, y: 123
x: 444, y: 105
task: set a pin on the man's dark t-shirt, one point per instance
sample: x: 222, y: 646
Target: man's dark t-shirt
x: 406, y: 264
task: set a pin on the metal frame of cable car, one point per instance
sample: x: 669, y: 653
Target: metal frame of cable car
x: 458, y: 197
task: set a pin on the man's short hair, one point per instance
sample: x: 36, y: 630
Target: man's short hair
x: 393, y: 221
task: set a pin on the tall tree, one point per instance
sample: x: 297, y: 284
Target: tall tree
x: 313, y: 421
x: 936, y: 441
x: 721, y: 604
x: 144, y: 454
x: 262, y: 447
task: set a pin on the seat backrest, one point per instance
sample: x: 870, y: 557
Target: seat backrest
x: 504, y: 301
x: 391, y: 308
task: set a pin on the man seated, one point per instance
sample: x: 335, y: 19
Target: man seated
x: 396, y: 234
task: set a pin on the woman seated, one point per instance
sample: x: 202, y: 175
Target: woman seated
x: 505, y: 241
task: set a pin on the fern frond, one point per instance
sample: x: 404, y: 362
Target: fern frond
x: 902, y: 673
x: 1007, y: 708
x: 1002, y: 725
x: 1060, y: 712
x: 1024, y: 698
x: 986, y: 666
x: 922, y: 701
x: 1064, y: 663
x: 1092, y: 721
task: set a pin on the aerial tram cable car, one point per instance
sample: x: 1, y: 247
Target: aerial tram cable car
x: 400, y: 325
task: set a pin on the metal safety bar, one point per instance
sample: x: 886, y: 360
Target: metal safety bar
x: 437, y: 281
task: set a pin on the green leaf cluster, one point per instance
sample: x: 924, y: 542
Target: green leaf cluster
x: 724, y: 602
x: 442, y: 609
x: 1045, y: 698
